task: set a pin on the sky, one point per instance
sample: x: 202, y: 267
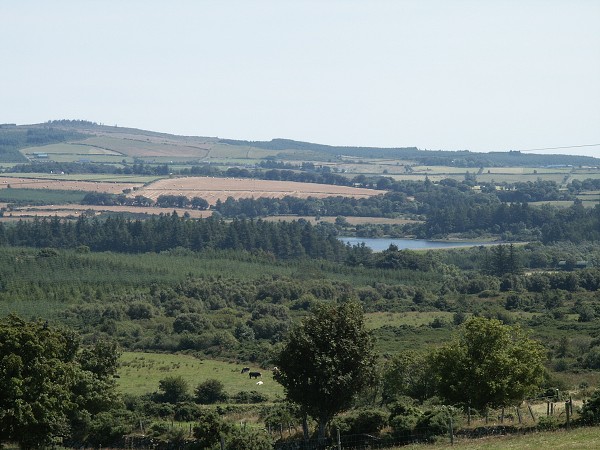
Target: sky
x: 479, y: 75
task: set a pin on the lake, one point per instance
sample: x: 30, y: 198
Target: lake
x: 379, y: 244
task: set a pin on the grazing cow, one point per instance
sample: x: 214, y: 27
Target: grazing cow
x: 246, y: 369
x: 255, y: 375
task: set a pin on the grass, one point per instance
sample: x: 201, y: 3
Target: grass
x: 102, y: 159
x: 412, y: 318
x: 72, y: 149
x: 38, y: 196
x: 32, y: 309
x: 576, y: 439
x: 516, y: 178
x: 566, y: 203
x: 140, y: 373
x: 86, y: 177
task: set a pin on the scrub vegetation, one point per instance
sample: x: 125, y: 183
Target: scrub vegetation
x: 260, y: 333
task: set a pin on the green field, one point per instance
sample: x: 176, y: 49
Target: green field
x: 71, y: 149
x: 576, y: 439
x: 517, y: 178
x: 40, y: 196
x: 140, y: 373
x: 101, y: 159
x: 411, y: 318
x: 113, y: 178
x: 566, y: 203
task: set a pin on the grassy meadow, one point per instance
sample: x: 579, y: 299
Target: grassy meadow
x: 410, y: 318
x: 39, y: 196
x: 69, y: 149
x: 140, y: 373
x: 587, y: 438
x: 117, y: 178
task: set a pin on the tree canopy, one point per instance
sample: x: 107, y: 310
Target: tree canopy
x: 488, y: 364
x: 50, y: 390
x: 327, y: 360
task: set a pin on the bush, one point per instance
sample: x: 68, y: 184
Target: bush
x: 280, y: 415
x: 403, y: 419
x: 548, y: 423
x: 192, y: 322
x: 173, y: 389
x: 210, y: 391
x: 107, y: 428
x: 249, y: 397
x: 362, y: 421
x: 248, y: 440
x: 209, y: 429
x: 187, y: 412
x: 435, y: 421
x: 590, y: 411
x: 140, y: 310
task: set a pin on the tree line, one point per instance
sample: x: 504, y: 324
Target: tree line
x: 284, y: 240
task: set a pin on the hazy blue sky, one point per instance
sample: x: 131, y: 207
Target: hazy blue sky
x: 435, y: 74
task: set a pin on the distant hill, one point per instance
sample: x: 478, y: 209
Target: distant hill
x: 462, y: 158
x: 141, y: 144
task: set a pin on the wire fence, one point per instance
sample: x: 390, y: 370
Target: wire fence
x: 546, y: 413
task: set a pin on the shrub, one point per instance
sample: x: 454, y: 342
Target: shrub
x: 248, y: 440
x: 590, y: 411
x: 140, y: 310
x: 187, y: 412
x: 209, y: 429
x: 279, y: 415
x: 403, y: 419
x: 192, y: 322
x: 249, y: 397
x: 362, y: 421
x: 173, y: 389
x: 210, y: 391
x: 435, y: 421
x: 548, y: 423
x: 108, y: 427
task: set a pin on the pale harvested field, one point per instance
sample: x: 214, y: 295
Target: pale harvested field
x: 213, y: 189
x: 76, y: 210
x: 61, y: 185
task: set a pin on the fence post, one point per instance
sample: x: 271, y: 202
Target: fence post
x: 568, y: 411
x: 222, y: 443
x: 547, y: 408
x: 468, y: 415
x: 339, y: 440
x: 451, y: 431
x: 571, y: 404
x: 518, y: 414
x: 502, y: 416
x: 530, y: 411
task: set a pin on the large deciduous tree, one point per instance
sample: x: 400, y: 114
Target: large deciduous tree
x: 488, y: 364
x: 50, y: 390
x: 326, y: 361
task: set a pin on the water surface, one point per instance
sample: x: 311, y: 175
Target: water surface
x: 379, y: 244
